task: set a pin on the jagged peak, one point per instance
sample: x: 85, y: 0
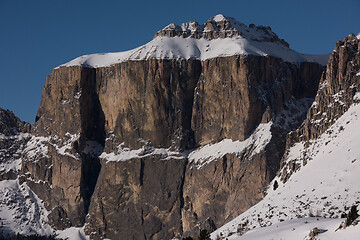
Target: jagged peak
x: 220, y: 26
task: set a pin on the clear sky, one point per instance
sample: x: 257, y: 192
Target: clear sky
x: 38, y: 35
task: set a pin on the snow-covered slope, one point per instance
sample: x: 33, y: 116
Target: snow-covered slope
x: 21, y: 210
x: 327, y: 228
x: 325, y: 185
x: 260, y: 41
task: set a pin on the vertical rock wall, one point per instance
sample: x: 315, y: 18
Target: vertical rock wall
x: 172, y: 104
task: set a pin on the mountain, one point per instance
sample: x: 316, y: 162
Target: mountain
x: 181, y: 134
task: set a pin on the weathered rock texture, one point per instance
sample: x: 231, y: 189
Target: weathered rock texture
x: 149, y: 101
x: 11, y: 125
x: 138, y: 199
x: 234, y: 94
x: 336, y: 90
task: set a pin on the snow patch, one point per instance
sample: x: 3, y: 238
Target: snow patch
x: 73, y: 233
x: 21, y: 211
x: 68, y: 145
x: 356, y: 96
x: 124, y: 154
x: 12, y: 161
x: 300, y: 229
x: 35, y: 147
x: 256, y: 141
x: 219, y: 18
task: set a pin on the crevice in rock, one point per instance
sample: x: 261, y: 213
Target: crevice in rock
x: 92, y: 139
x: 181, y: 195
x: 189, y: 140
x: 194, y: 74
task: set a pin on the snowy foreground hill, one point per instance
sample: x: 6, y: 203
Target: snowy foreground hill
x: 316, y: 195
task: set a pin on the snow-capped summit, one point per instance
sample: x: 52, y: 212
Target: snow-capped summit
x: 220, y: 36
x: 219, y: 18
x: 220, y: 26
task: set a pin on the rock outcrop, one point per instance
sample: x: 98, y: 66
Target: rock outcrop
x: 111, y: 145
x: 337, y: 89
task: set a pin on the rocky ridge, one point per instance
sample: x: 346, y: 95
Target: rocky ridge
x: 220, y: 26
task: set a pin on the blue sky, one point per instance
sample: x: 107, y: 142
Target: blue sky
x: 36, y: 36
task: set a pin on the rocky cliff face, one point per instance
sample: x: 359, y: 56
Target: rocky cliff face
x: 140, y: 198
x: 58, y: 166
x: 151, y: 105
x: 155, y: 148
x: 337, y: 88
x: 148, y: 101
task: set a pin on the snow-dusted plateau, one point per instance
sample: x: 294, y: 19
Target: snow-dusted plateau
x: 217, y: 126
